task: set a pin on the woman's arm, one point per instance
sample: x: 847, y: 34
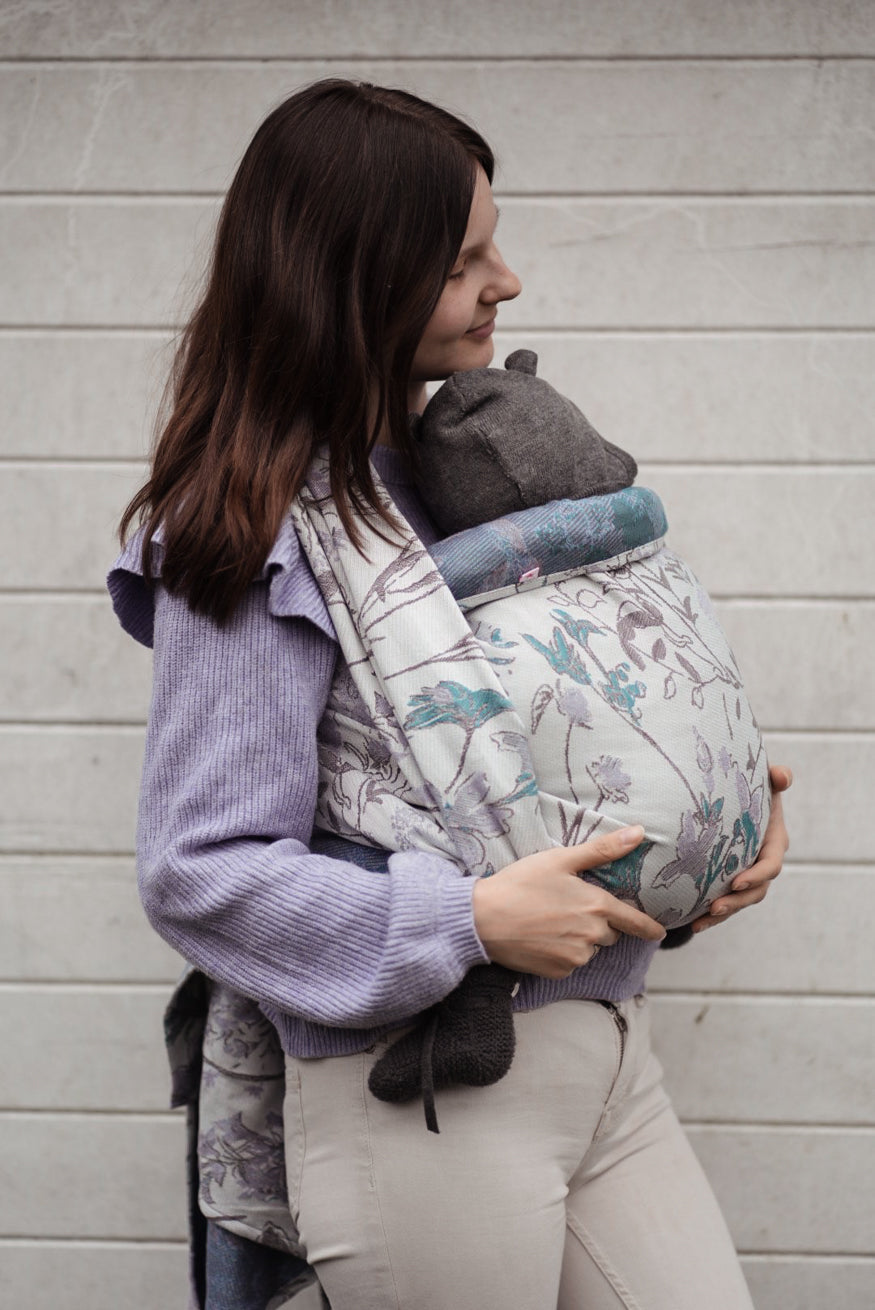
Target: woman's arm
x: 750, y: 887
x: 226, y: 811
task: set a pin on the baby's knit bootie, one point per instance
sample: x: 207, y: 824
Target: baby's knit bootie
x: 467, y: 1038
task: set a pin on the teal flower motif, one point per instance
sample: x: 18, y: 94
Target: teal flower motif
x: 622, y: 693
x: 622, y: 878
x: 580, y: 630
x: 561, y: 657
x: 450, y: 702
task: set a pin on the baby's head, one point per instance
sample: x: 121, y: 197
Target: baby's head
x: 492, y: 441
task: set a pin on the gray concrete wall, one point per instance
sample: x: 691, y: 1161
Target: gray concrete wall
x: 687, y: 193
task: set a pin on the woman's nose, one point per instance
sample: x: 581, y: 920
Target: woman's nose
x: 505, y: 285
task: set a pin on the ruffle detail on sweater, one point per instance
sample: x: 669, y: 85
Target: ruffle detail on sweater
x: 292, y: 589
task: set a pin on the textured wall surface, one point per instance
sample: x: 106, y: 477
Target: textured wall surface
x: 687, y: 193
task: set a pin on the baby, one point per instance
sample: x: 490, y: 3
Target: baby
x: 604, y: 640
x: 610, y: 651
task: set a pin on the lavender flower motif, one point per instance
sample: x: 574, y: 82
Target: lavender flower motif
x: 611, y: 780
x: 572, y: 703
x: 696, y: 838
x: 238, y: 1036
x: 409, y: 830
x: 254, y: 1159
x: 470, y: 816
x: 705, y: 760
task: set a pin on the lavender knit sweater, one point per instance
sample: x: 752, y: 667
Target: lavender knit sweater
x: 330, y: 951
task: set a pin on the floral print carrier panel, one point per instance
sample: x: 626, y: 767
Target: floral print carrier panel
x: 636, y: 713
x: 602, y: 687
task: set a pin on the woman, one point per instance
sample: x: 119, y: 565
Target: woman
x: 355, y: 261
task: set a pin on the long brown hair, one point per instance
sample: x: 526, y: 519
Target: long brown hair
x: 334, y: 243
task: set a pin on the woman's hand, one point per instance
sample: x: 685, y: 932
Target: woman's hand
x: 538, y: 917
x: 750, y: 887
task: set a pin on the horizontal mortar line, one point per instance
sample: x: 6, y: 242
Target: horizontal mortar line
x: 89, y: 1242
x: 87, y: 857
x: 740, y: 598
x: 106, y: 723
x: 795, y: 603
x: 791, y: 995
x: 146, y: 1116
x: 89, y: 461
x: 89, y: 725
x: 180, y: 1244
x: 66, y: 727
x: 791, y: 597
x: 680, y: 465
x: 782, y: 1127
x: 108, y: 329
x: 761, y: 466
x: 667, y: 330
x: 162, y: 333
x: 58, y: 196
x: 81, y: 987
x: 63, y: 853
x: 819, y: 734
x: 807, y: 1257
x: 52, y: 593
x: 571, y: 193
x: 125, y: 463
x: 108, y: 727
x: 757, y: 1126
x: 679, y: 330
x: 334, y: 57
x: 85, y: 1112
x: 95, y: 1243
x: 152, y: 986
x: 87, y: 986
x: 726, y: 996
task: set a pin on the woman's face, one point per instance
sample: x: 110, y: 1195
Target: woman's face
x: 459, y: 332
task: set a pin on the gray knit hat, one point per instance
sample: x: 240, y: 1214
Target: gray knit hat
x: 494, y: 440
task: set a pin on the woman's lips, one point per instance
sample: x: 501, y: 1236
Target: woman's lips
x: 483, y: 331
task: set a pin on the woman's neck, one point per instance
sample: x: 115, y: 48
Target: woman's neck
x: 417, y: 399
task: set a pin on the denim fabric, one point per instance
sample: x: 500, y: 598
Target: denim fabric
x: 244, y: 1275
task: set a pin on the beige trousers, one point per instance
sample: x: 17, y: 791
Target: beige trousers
x: 568, y: 1184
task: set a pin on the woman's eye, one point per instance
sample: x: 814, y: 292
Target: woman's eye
x: 455, y: 276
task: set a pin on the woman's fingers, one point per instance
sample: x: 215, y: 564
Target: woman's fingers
x: 537, y: 916
x: 780, y: 777
x: 600, y: 850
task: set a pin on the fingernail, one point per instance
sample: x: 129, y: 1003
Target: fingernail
x: 741, y: 886
x: 716, y: 910
x: 631, y: 836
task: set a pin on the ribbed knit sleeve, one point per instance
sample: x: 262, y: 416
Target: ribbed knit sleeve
x: 227, y: 804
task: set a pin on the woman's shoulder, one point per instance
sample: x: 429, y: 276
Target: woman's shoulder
x: 290, y: 589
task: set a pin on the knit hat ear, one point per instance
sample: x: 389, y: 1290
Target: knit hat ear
x: 522, y: 361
